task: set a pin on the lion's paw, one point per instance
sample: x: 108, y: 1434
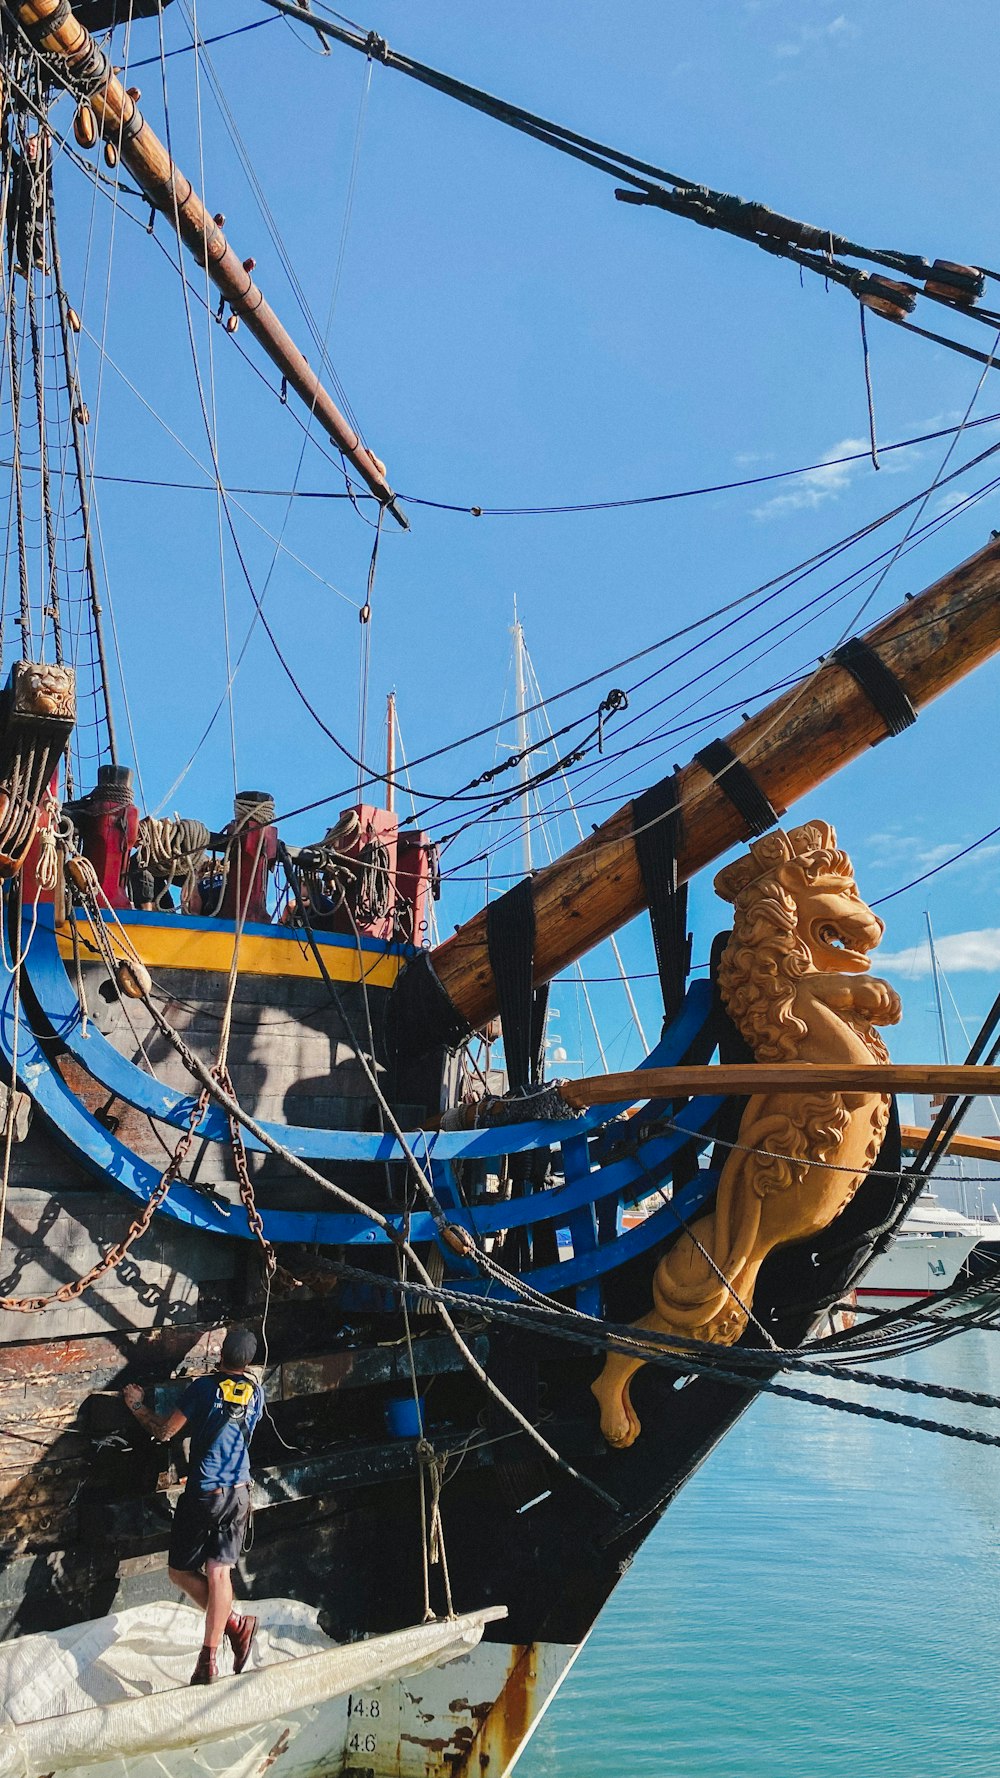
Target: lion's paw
x: 619, y: 1421
x: 878, y: 1001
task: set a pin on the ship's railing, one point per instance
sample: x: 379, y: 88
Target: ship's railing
x: 600, y: 1168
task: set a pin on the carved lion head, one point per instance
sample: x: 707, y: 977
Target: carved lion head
x: 42, y: 689
x: 805, y: 873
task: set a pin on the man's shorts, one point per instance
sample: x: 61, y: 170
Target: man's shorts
x: 209, y: 1528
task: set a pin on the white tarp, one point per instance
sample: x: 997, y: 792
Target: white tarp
x: 117, y: 1688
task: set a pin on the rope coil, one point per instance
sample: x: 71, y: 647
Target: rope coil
x: 172, y: 848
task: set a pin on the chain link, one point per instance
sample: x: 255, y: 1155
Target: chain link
x: 67, y: 1293
x: 256, y: 1222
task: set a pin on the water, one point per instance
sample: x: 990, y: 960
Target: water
x: 820, y: 1602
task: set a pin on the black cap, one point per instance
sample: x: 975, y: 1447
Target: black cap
x: 239, y: 1348
x: 115, y: 775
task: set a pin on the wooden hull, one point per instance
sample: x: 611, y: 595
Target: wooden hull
x: 86, y: 1498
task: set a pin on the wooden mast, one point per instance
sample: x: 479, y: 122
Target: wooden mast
x: 790, y: 747
x: 73, y: 56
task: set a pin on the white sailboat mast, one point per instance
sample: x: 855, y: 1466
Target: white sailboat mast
x: 938, y: 999
x: 524, y: 769
x: 390, y: 752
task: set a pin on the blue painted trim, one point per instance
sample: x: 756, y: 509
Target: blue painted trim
x: 103, y: 1155
x: 52, y: 989
x: 570, y: 1273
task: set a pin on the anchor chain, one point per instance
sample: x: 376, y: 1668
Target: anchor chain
x: 254, y: 1219
x: 67, y: 1293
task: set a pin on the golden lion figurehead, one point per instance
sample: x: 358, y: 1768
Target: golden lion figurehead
x: 797, y: 912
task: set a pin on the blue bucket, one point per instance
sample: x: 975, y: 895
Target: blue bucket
x: 402, y: 1418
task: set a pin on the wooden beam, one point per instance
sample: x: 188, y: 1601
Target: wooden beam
x: 724, y: 1078
x: 968, y: 1148
x: 790, y: 747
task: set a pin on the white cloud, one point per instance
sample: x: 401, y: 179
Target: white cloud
x: 949, y: 501
x: 838, y: 29
x: 816, y: 486
x: 913, y: 854
x: 957, y: 951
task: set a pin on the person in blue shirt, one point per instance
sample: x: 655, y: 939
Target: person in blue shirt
x: 210, y: 1524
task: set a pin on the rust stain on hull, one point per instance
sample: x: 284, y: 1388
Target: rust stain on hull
x: 280, y: 1747
x: 504, y: 1724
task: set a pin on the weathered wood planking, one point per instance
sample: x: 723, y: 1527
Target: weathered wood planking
x: 175, y: 1276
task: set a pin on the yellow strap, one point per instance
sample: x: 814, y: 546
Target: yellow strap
x: 238, y: 1394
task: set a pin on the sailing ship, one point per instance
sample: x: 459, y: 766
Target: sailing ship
x: 236, y: 1090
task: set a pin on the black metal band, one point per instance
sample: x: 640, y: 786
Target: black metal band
x: 92, y: 72
x: 657, y: 823
x: 510, y: 941
x: 739, y: 785
x: 132, y: 126
x: 878, y: 682
x: 39, y: 29
x: 422, y: 1014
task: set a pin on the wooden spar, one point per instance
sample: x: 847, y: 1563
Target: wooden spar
x: 790, y: 747
x: 723, y: 1078
x: 968, y: 1148
x: 71, y: 53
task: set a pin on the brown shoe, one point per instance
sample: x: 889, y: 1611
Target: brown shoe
x: 240, y: 1632
x: 206, y: 1668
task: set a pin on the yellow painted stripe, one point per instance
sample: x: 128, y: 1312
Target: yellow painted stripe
x: 188, y: 947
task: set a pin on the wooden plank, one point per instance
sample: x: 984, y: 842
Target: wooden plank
x: 320, y: 1373
x: 790, y: 746
x: 971, y: 1148
x: 345, y: 1467
x: 779, y: 1077
x: 275, y: 954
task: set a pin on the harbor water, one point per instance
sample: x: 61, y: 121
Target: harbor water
x: 822, y: 1601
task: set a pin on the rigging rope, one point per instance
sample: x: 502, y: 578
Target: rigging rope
x: 130, y: 966
x: 13, y: 348
x: 742, y: 1366
x: 166, y: 847
x: 562, y: 508
x: 813, y: 249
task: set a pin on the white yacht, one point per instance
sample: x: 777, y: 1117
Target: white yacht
x: 926, y: 1255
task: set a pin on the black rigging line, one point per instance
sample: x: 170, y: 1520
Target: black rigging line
x: 813, y: 249
x: 185, y: 49
x: 632, y: 500
x: 565, y: 507
x: 829, y: 552
x: 914, y: 882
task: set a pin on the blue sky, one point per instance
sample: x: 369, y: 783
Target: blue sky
x: 510, y: 335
